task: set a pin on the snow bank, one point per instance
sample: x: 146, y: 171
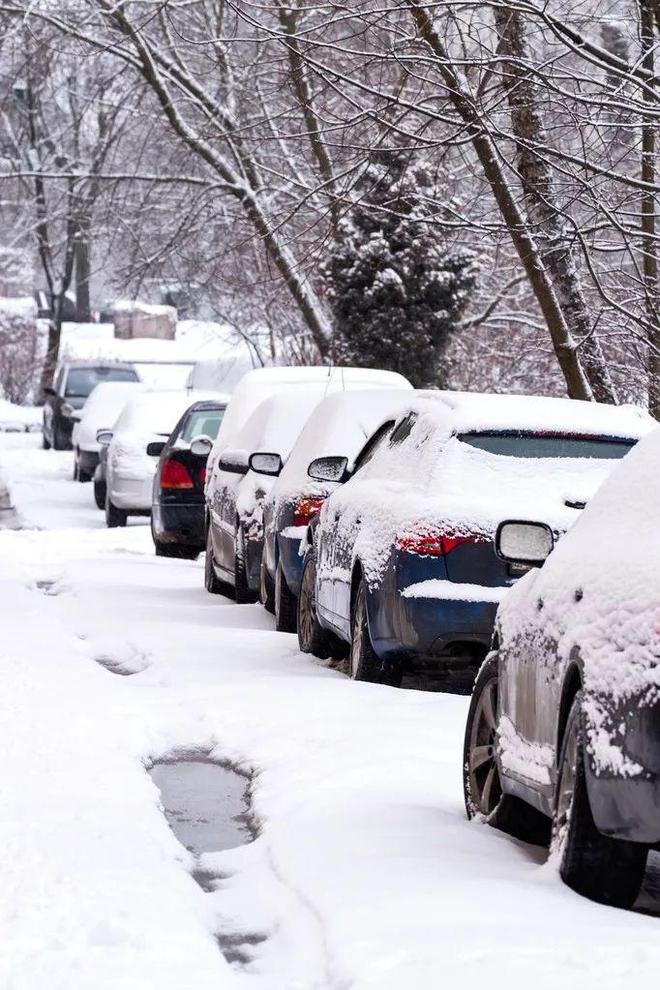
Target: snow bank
x: 16, y: 419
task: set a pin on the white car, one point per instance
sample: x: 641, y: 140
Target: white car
x: 100, y: 412
x: 130, y: 467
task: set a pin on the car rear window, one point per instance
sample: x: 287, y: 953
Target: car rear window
x: 520, y: 444
x: 81, y: 381
x: 201, y: 422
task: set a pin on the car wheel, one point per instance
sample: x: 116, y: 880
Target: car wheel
x: 482, y: 789
x: 83, y: 476
x: 312, y: 637
x: 606, y: 870
x: 99, y: 494
x: 363, y: 662
x: 244, y: 595
x: 45, y: 443
x: 286, y: 604
x: 211, y: 582
x: 59, y: 441
x: 76, y: 470
x: 266, y: 590
x: 114, y: 517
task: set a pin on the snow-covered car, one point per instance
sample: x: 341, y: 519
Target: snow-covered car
x: 100, y: 412
x: 402, y: 565
x: 72, y: 385
x: 129, y: 467
x: 234, y: 554
x: 177, y: 510
x: 323, y: 457
x: 237, y: 485
x: 564, y: 723
x: 256, y: 386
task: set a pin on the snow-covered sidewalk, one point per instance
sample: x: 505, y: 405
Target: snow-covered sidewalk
x: 365, y: 873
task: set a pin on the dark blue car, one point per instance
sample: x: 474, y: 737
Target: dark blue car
x: 401, y: 565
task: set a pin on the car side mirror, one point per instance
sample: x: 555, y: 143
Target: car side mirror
x: 233, y: 461
x: 270, y: 464
x: 328, y: 469
x: 104, y: 437
x: 524, y: 542
x: 155, y: 448
x: 49, y: 390
x: 201, y: 446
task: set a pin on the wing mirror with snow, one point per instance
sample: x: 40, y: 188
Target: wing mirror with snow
x: 104, y: 437
x: 201, y: 446
x: 270, y: 464
x: 328, y: 469
x: 520, y: 542
x: 155, y: 448
x: 233, y: 461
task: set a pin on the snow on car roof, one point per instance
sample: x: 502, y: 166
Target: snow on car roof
x: 475, y: 411
x: 257, y: 385
x: 101, y: 410
x: 340, y: 426
x: 157, y: 412
x: 276, y: 422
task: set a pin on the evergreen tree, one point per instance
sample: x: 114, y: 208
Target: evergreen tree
x: 397, y: 290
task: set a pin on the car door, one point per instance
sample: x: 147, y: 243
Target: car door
x: 343, y: 537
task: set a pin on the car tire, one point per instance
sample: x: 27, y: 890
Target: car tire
x: 83, y: 476
x: 242, y: 591
x: 114, y: 517
x: 99, y: 494
x: 59, y: 443
x: 609, y: 871
x: 364, y: 664
x: 312, y: 637
x: 45, y: 443
x: 266, y: 590
x: 211, y: 581
x: 76, y: 470
x: 286, y: 604
x: 484, y: 797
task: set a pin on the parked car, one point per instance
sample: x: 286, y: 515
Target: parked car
x: 323, y: 456
x: 100, y: 412
x: 129, y: 468
x: 564, y: 722
x: 402, y: 565
x: 177, y: 509
x: 72, y: 385
x: 234, y: 539
x: 237, y: 484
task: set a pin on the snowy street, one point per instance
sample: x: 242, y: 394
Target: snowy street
x: 364, y: 873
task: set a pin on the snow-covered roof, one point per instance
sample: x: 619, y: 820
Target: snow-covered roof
x: 102, y: 409
x: 339, y: 426
x: 257, y: 385
x: 276, y: 423
x: 156, y: 412
x: 468, y: 411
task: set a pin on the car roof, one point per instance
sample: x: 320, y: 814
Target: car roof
x: 465, y: 412
x: 98, y: 363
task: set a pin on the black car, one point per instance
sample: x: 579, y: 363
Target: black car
x: 563, y: 732
x: 177, y: 514
x: 72, y: 385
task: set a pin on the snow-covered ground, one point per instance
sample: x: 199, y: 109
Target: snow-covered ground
x: 365, y: 874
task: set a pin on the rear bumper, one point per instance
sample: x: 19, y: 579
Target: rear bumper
x: 182, y: 525
x: 291, y: 560
x: 629, y: 807
x: 428, y: 627
x: 131, y: 494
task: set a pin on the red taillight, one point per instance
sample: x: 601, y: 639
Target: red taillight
x: 434, y: 544
x: 306, y: 509
x: 175, y: 475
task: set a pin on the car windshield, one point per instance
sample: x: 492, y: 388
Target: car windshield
x: 520, y: 444
x: 81, y: 381
x: 201, y: 422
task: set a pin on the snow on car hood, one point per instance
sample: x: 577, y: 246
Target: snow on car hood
x: 601, y: 593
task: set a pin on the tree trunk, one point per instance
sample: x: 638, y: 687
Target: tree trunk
x: 543, y: 212
x: 83, y: 272
x: 577, y: 384
x: 648, y: 211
